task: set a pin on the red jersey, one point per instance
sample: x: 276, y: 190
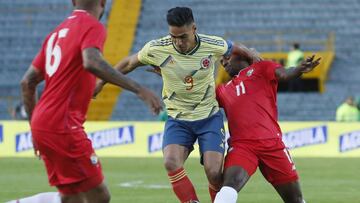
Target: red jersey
x: 249, y: 101
x: 68, y: 86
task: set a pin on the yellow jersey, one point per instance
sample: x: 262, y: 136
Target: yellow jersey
x: 188, y: 79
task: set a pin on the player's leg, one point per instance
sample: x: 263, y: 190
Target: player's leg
x: 290, y: 192
x: 235, y: 178
x: 279, y: 169
x: 90, y: 190
x: 177, y: 145
x: 46, y: 197
x: 240, y: 163
x: 51, y: 148
x: 211, y: 139
x: 71, y: 164
x: 99, y: 194
x: 77, y: 198
x: 87, y: 169
x: 213, y: 165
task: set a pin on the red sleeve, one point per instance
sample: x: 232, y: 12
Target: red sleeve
x: 94, y: 37
x: 219, y: 95
x: 269, y: 69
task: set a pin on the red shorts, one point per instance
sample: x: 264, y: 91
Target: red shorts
x: 71, y: 163
x: 270, y: 155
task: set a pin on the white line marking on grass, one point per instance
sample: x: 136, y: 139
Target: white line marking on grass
x: 157, y: 186
x: 141, y: 184
x: 131, y: 184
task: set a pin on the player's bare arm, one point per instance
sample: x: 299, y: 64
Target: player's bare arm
x: 125, y: 66
x: 305, y: 66
x: 250, y: 54
x: 29, y: 83
x: 128, y: 64
x: 95, y: 63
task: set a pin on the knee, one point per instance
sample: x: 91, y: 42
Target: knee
x: 214, y: 175
x: 172, y: 164
x: 233, y: 182
x: 104, y: 196
x: 65, y: 199
x: 236, y: 181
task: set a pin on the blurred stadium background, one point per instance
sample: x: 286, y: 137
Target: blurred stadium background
x: 329, y: 28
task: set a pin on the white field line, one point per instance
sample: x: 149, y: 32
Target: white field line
x: 141, y: 184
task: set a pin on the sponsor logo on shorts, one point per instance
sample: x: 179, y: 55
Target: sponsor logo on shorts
x: 155, y: 142
x: 94, y: 159
x: 305, y: 137
x: 112, y: 137
x: 349, y: 141
x: 23, y: 142
x: 1, y: 134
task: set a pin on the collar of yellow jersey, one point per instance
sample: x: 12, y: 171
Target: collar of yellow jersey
x: 197, y: 39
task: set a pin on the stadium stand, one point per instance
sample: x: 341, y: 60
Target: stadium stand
x: 121, y: 33
x: 217, y: 18
x: 25, y: 23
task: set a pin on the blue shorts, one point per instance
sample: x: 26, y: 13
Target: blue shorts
x: 209, y: 132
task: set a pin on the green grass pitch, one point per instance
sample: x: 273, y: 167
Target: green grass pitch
x: 144, y: 180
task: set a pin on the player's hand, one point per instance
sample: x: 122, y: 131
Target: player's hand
x: 309, y: 64
x: 99, y: 86
x: 155, y: 69
x: 151, y: 100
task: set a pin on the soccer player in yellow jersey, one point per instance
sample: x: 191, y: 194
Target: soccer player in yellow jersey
x: 187, y: 61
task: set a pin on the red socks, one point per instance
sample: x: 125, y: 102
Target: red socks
x: 213, y: 191
x: 182, y: 186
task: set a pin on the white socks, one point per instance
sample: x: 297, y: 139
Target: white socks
x: 47, y: 197
x: 226, y: 195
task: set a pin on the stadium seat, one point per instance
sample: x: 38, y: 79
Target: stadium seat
x: 252, y: 15
x: 25, y: 24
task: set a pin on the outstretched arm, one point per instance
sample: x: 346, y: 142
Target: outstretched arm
x: 250, y: 54
x: 125, y: 66
x: 29, y: 82
x: 305, y: 66
x: 95, y: 63
x: 128, y: 64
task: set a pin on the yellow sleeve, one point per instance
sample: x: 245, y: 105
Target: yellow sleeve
x: 224, y: 49
x: 147, y: 55
x: 217, y: 45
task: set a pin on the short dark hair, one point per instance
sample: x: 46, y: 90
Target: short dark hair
x: 296, y: 45
x: 179, y: 16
